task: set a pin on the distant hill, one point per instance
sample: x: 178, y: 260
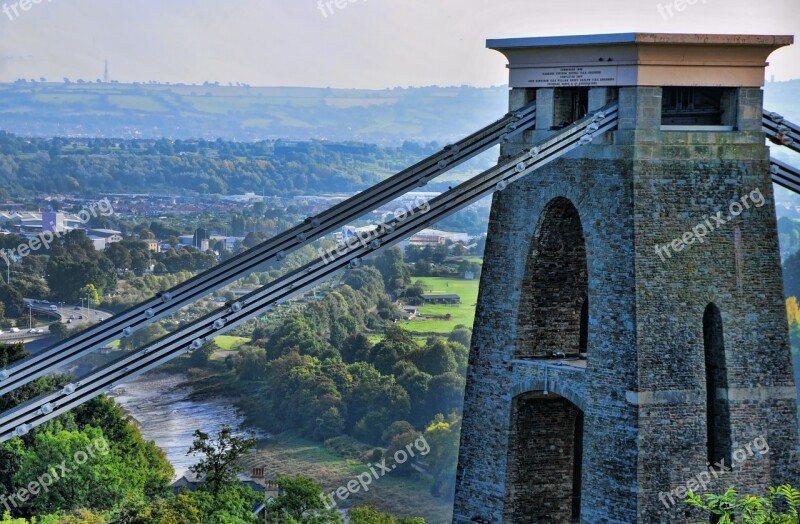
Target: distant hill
x: 111, y: 110
x: 784, y: 98
x: 244, y: 113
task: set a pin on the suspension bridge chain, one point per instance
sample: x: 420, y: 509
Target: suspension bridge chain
x: 785, y: 133
x: 21, y: 419
x: 275, y: 249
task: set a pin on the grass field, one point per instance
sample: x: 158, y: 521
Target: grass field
x: 288, y: 454
x: 227, y: 343
x: 463, y: 313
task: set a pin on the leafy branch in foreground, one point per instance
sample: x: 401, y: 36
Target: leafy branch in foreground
x: 731, y: 508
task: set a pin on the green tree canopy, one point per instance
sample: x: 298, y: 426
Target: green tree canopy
x: 219, y: 456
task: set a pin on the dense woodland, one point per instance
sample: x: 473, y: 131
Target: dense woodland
x: 320, y: 375
x: 101, y: 166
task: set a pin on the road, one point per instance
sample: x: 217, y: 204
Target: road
x: 74, y: 315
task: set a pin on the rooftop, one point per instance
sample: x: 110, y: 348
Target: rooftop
x: 639, y: 59
x: 640, y: 38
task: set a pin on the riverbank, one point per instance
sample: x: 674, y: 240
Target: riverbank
x: 162, y: 405
x: 170, y: 405
x: 290, y: 454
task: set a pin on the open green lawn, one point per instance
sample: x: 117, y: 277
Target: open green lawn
x: 227, y: 342
x: 463, y: 313
x: 477, y: 260
x: 288, y: 454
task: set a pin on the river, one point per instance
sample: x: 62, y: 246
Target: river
x: 166, y: 415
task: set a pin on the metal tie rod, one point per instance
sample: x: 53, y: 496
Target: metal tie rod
x: 277, y: 248
x: 785, y: 175
x: 20, y: 420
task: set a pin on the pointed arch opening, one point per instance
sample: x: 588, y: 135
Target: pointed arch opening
x: 718, y: 417
x: 544, y: 476
x: 554, y: 309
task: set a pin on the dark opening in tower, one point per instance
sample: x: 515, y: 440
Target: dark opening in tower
x: 698, y: 106
x: 545, y: 460
x: 554, y: 312
x: 718, y: 410
x: 569, y: 104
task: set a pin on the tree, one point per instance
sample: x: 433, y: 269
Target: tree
x: 397, y: 428
x: 445, y: 394
x: 73, y: 265
x: 8, y: 519
x: 218, y: 466
x: 369, y: 515
x: 423, y: 268
x: 13, y: 301
x: 101, y: 480
x: 413, y: 294
x: 59, y: 330
x: 791, y: 275
x: 119, y: 255
x: 730, y: 507
x: 231, y: 506
x: 401, y: 443
x: 396, y: 345
x: 443, y: 437
x: 10, y: 353
x: 394, y: 270
x: 368, y: 281
x: 200, y: 357
x: 251, y: 363
x: 356, y: 348
x: 302, y: 500
x: 23, y: 322
x: 461, y: 334
x: 296, y: 332
x: 143, y: 336
x: 436, y: 357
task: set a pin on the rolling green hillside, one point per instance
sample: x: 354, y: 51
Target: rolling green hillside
x: 386, y: 117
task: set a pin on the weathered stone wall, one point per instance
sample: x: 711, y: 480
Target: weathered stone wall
x: 555, y: 285
x: 643, y: 392
x: 546, y: 448
x: 681, y: 180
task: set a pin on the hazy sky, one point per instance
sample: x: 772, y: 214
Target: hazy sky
x: 368, y: 43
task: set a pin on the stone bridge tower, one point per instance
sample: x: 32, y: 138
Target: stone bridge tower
x: 631, y: 326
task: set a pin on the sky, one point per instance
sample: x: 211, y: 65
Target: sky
x: 364, y: 44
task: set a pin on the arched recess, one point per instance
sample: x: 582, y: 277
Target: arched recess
x: 718, y: 417
x: 545, y: 460
x: 554, y: 307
